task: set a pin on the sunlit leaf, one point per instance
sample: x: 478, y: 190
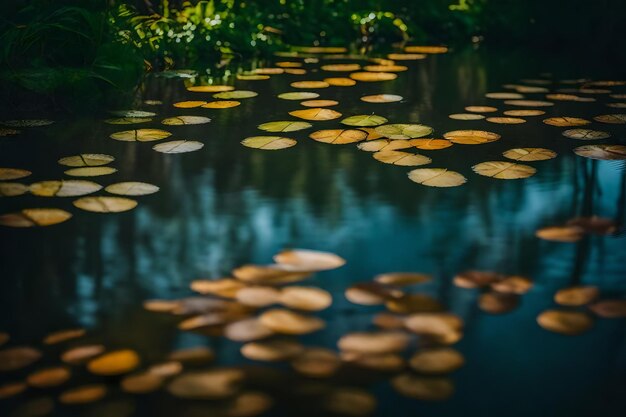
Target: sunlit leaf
x: 268, y: 143
x: 105, y: 204
x: 289, y: 322
x: 309, y: 84
x: 185, y: 120
x: 114, y: 363
x: 611, y: 118
x: 338, y: 136
x: 401, y: 158
x: 471, y: 137
x: 128, y: 120
x: 384, y: 145
x: 576, y: 296
x: 426, y: 49
x: 524, y: 113
x: 188, y: 104
x: 436, y: 361
x: 340, y: 81
x: 272, y: 350
x: 481, y: 109
x: 529, y: 154
x: 437, y: 177
x: 373, y: 76
x: 289, y: 64
x: 371, y: 133
x: 586, y: 134
x: 13, y: 173
x: 316, y: 113
x: 268, y: 274
x: 48, y: 377
x: 253, y: 77
x: 305, y: 298
x: 385, y: 68
x: 12, y: 189
x: 90, y: 171
x: 14, y: 358
x: 364, y: 120
x: 247, y: 330
x: 221, y: 104
x: 132, y: 188
x: 406, y: 57
x: 84, y: 394
x: 63, y: 188
x: 34, y: 217
x: 258, y: 296
x: 268, y: 71
x: 178, y: 146
x: 133, y: 113
x: 86, y: 160
x: 504, y: 170
x: 382, y: 98
x: 565, y: 322
x: 423, y: 388
x: 430, y: 144
x: 319, y: 103
x: 443, y: 328
x: 210, y: 88
x: 370, y: 293
x: 377, y: 342
x: 341, y: 67
x: 316, y: 363
x: 81, y: 354
x: 560, y: 233
x: 466, y: 116
x: 141, y: 135
x: 297, y: 95
x: 63, y: 336
x: 504, y: 96
x: 529, y: 103
x: 308, y: 260
x: 236, y: 95
x: 284, y: 126
x: 321, y: 49
x: 602, y: 152
x: 506, y: 120
x: 566, y: 121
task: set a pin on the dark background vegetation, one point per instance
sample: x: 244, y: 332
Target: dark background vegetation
x: 78, y: 46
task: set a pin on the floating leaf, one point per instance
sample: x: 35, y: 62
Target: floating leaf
x: 62, y: 188
x: 529, y: 103
x: 382, y: 98
x: 385, y: 68
x: 513, y: 285
x: 188, y: 104
x: 413, y: 303
x: 308, y: 260
x: 444, y: 328
x: 19, y: 357
x: 377, y: 342
x: 436, y: 361
x: 506, y: 120
x: 504, y: 96
x: 401, y: 158
x: 364, y: 120
x: 84, y: 394
x: 258, y: 296
x: 247, y: 330
x: 193, y: 356
x: 481, y: 109
x: 404, y: 131
x: 384, y: 145
x: 223, y: 287
x: 305, y: 298
x: 81, y: 354
x: 289, y: 322
x: 503, y: 170
x: 268, y: 71
x: 370, y: 293
x: 466, y: 116
x: 340, y: 81
x: 272, y: 350
x: 497, y: 303
x: 141, y: 135
x: 613, y: 105
x: 523, y: 113
x: 268, y: 275
x: 35, y: 217
x: 27, y: 123
x: 253, y: 77
x: 249, y: 404
x: 437, y: 177
x: 341, y: 67
x: 570, y: 323
x: 316, y: 113
x: 49, y: 377
x: 423, y: 388
x: 529, y: 154
x: 236, y: 95
x: 338, y: 136
x: 373, y: 76
x: 350, y: 401
x: 105, y: 204
x: 567, y: 97
x: 309, y: 84
x: 289, y: 64
x: 221, y: 104
x: 63, y: 336
x: 316, y: 363
x: 114, y: 363
x: 12, y: 189
x: 178, y: 146
x: 565, y: 121
x: 476, y: 279
x: 319, y: 103
x: 426, y: 49
x: 471, y: 137
x: 406, y: 57
x: 133, y: 113
x: 430, y: 144
x: 602, y: 152
x: 86, y: 160
x: 402, y: 278
x: 611, y: 118
x: 8, y: 132
x: 268, y: 143
x: 128, y: 120
x: 13, y: 173
x: 286, y: 126
x: 609, y: 309
x: 586, y: 134
x: 298, y: 95
x: 12, y: 389
x: 185, y: 120
x: 210, y: 88
x: 560, y: 233
x: 90, y: 171
x: 576, y: 296
x: 132, y: 188
x: 141, y: 383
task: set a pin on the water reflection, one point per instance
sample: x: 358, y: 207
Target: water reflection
x: 227, y: 205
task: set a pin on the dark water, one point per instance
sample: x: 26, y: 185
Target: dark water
x: 228, y: 205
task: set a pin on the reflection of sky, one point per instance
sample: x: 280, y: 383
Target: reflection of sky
x: 227, y: 205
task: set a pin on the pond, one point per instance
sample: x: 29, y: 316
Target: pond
x: 226, y: 205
